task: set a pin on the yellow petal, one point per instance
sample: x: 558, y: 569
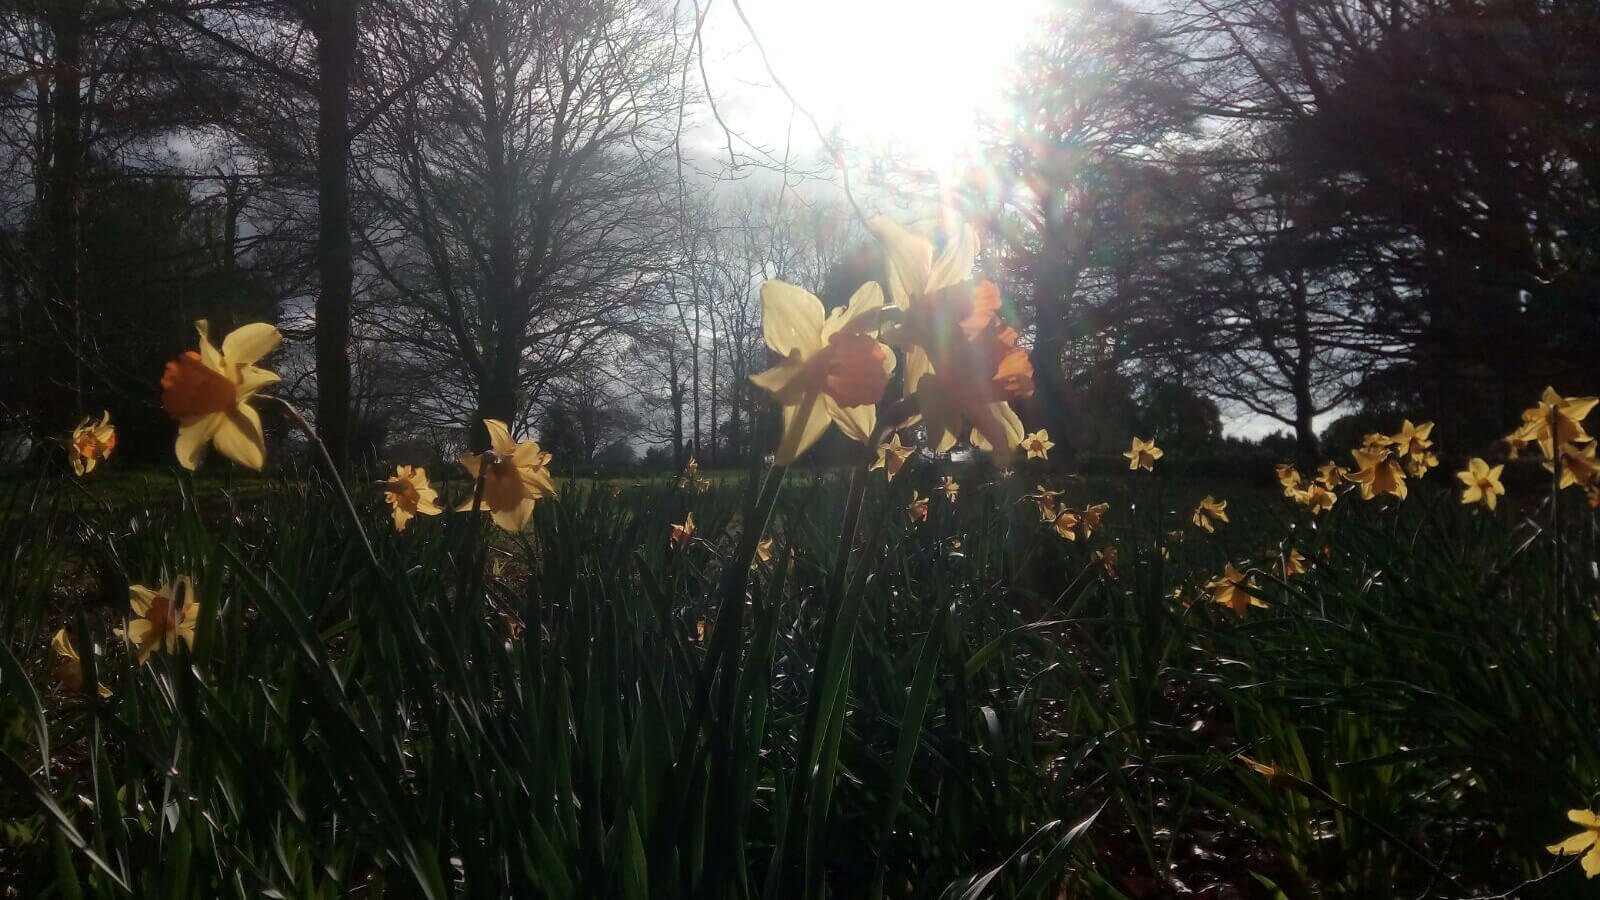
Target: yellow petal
x: 193, y: 437
x: 955, y: 263
x: 252, y: 379
x: 62, y: 645
x: 859, y: 316
x: 803, y: 424
x: 500, y: 437
x: 1578, y: 843
x: 538, y: 481
x: 248, y: 343
x: 514, y: 519
x: 239, y: 437
x: 910, y: 258
x: 1584, y: 817
x: 208, y: 351
x: 791, y: 319
x: 857, y: 422
x: 1591, y: 862
x: 782, y: 380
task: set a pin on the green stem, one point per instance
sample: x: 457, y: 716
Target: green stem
x: 332, y: 472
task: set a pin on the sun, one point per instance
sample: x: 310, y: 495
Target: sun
x: 907, y: 77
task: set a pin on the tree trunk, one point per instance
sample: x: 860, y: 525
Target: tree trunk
x: 1305, y: 409
x: 336, y: 45
x: 61, y: 200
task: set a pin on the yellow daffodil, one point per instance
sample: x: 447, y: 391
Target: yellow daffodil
x: 1553, y: 420
x: 162, y: 617
x: 1048, y: 502
x: 892, y: 455
x: 1316, y: 498
x: 1293, y: 563
x: 517, y: 474
x: 91, y: 442
x: 1038, y: 444
x: 1376, y: 473
x: 917, y: 509
x: 209, y: 394
x: 1330, y: 475
x: 682, y: 534
x: 951, y: 488
x: 691, y: 474
x: 1289, y: 478
x: 1209, y: 511
x: 1066, y: 524
x: 1094, y: 517
x: 409, y: 494
x: 1578, y: 465
x: 832, y: 369
x: 963, y: 364
x: 1233, y: 590
x: 1482, y: 483
x: 1586, y: 842
x: 763, y: 553
x: 69, y: 666
x: 1143, y: 455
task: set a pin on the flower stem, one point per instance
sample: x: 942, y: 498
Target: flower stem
x: 331, y: 471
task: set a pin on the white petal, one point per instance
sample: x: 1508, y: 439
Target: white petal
x: 791, y: 319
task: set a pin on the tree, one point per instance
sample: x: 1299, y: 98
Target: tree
x: 514, y: 196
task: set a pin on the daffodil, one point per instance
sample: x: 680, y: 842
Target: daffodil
x: 69, y: 666
x: 409, y: 494
x: 691, y: 474
x: 1376, y: 473
x: 1330, y: 475
x: 832, y: 369
x: 1578, y: 465
x: 1094, y: 517
x: 1066, y: 524
x: 209, y: 394
x: 1316, y: 498
x: 917, y: 509
x: 91, y: 442
x: 963, y: 364
x: 1143, y: 454
x: 1234, y: 591
x: 951, y: 488
x: 1554, y: 420
x: 682, y: 534
x: 1048, y: 502
x: 162, y: 618
x: 1289, y: 478
x: 1037, y: 444
x: 1209, y: 511
x: 892, y: 455
x: 517, y: 474
x: 1482, y: 483
x: 1586, y: 842
x: 1292, y: 563
x: 763, y: 553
